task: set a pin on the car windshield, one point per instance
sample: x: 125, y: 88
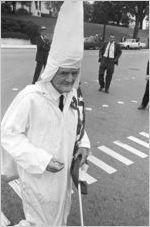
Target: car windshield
x: 130, y: 40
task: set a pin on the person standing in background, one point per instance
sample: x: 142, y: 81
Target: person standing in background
x: 43, y: 47
x: 145, y: 99
x: 108, y: 56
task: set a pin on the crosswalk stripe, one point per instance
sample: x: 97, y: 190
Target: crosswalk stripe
x: 15, y: 185
x: 130, y: 149
x: 90, y: 179
x: 115, y: 155
x: 4, y: 220
x: 144, y: 134
x: 136, y: 140
x: 101, y: 164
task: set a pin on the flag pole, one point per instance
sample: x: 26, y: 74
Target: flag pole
x: 80, y: 203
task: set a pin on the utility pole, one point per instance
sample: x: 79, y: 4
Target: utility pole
x: 104, y: 32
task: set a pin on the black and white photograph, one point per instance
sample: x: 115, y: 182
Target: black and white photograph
x: 74, y: 113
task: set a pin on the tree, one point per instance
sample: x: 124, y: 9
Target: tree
x: 121, y: 11
x: 88, y: 11
x: 118, y: 13
x: 53, y: 7
x: 102, y: 12
x: 13, y: 4
x: 137, y: 9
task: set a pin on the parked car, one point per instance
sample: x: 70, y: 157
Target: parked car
x: 132, y: 44
x: 91, y: 43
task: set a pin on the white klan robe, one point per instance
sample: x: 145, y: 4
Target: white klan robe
x: 33, y: 131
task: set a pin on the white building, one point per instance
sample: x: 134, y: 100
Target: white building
x: 37, y: 8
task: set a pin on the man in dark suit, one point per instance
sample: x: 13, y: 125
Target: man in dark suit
x: 145, y: 98
x: 108, y: 56
x: 43, y: 47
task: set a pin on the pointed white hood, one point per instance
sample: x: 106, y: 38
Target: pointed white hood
x: 68, y: 43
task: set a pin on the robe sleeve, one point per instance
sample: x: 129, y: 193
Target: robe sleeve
x: 85, y: 142
x: 14, y: 140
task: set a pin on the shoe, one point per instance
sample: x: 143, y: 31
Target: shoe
x: 107, y: 91
x: 141, y: 107
x: 101, y: 88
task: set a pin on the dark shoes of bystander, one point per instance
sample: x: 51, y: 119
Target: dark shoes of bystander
x: 107, y: 91
x: 101, y: 88
x: 141, y: 107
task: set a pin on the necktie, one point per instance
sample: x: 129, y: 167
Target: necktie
x: 108, y: 50
x: 61, y: 104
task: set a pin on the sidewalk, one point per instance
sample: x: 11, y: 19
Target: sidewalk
x: 4, y: 46
x: 16, y: 43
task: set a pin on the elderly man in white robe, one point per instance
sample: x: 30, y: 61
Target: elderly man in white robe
x: 39, y: 133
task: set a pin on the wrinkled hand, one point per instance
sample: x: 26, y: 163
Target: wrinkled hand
x: 54, y: 166
x: 84, y: 152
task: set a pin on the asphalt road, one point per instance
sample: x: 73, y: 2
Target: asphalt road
x: 118, y: 193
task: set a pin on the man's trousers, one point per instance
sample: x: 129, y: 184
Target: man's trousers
x: 145, y: 99
x: 39, y: 66
x: 108, y: 65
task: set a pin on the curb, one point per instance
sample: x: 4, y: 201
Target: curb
x: 6, y: 46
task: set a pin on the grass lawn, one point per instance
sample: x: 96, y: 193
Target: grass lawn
x: 89, y: 28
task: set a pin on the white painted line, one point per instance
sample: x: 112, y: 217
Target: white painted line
x: 120, y: 102
x: 4, y: 220
x: 85, y: 82
x: 115, y: 155
x: 130, y: 149
x: 136, y: 140
x: 134, y: 101
x: 15, y: 185
x: 18, y: 46
x: 101, y: 164
x: 90, y: 179
x: 144, y: 134
x: 15, y: 89
x: 88, y: 108
x: 105, y: 105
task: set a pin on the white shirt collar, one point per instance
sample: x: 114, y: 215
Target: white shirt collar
x: 111, y: 43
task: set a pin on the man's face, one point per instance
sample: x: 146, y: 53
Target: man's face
x: 44, y: 32
x: 112, y: 38
x: 64, y: 79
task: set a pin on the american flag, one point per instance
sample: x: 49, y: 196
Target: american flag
x: 78, y: 104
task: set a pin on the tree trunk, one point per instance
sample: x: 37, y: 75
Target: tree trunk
x: 141, y: 24
x: 22, y: 5
x: 30, y: 7
x: 14, y: 7
x: 136, y: 28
